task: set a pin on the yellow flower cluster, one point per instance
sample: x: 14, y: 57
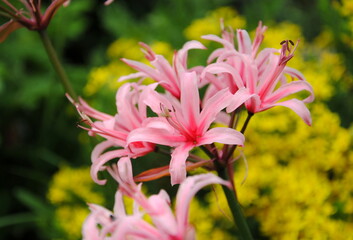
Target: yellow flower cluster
x: 211, y: 24
x: 298, y: 183
x: 70, y: 190
x: 105, y: 78
x: 345, y: 8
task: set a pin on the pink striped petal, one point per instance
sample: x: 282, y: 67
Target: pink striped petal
x: 212, y: 108
x: 215, y: 38
x: 183, y: 52
x: 298, y: 107
x: 177, y: 167
x: 190, y: 99
x: 91, y: 112
x: 240, y: 97
x: 217, y: 68
x: 244, y: 42
x: 132, y: 76
x: 97, y: 165
x: 222, y: 135
x: 149, y: 71
x: 291, y: 88
x: 187, y: 191
x: 155, y: 135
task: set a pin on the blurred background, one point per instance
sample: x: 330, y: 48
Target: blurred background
x: 299, y: 183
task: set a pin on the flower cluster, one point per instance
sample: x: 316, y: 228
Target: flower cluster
x: 183, y: 120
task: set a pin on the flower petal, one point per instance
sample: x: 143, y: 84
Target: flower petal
x: 298, y: 107
x: 97, y: 165
x: 240, y: 97
x: 291, y: 88
x: 190, y: 100
x: 177, y: 163
x: 155, y: 135
x: 212, y: 108
x: 244, y: 42
x: 222, y: 135
x: 187, y: 191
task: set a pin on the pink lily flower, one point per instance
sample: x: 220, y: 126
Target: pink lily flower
x: 183, y: 125
x: 165, y: 225
x: 166, y: 75
x: 262, y: 74
x: 131, y: 114
x: 33, y: 19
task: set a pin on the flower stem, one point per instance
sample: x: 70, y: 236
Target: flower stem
x: 235, y: 208
x: 225, y: 172
x: 57, y: 65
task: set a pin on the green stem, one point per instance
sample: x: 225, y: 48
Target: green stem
x: 235, y: 208
x: 57, y: 65
x: 231, y: 195
x: 232, y: 149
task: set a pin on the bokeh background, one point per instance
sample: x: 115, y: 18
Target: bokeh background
x: 299, y: 182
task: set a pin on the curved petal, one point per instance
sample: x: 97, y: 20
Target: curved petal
x: 182, y: 54
x: 212, y: 108
x: 222, y: 135
x: 187, y: 191
x: 177, y: 167
x: 149, y: 71
x: 99, y: 149
x: 291, y: 88
x: 240, y: 97
x: 97, y: 165
x: 293, y: 73
x: 298, y: 107
x: 220, y: 67
x: 91, y: 112
x: 155, y: 135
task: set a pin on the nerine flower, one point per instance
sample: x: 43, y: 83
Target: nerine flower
x: 183, y: 125
x: 168, y: 76
x: 131, y: 113
x: 33, y: 19
x: 263, y: 74
x: 103, y: 224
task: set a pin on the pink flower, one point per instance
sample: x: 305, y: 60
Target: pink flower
x: 131, y: 114
x: 33, y: 19
x: 262, y: 74
x: 166, y: 75
x: 181, y: 124
x: 165, y: 224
